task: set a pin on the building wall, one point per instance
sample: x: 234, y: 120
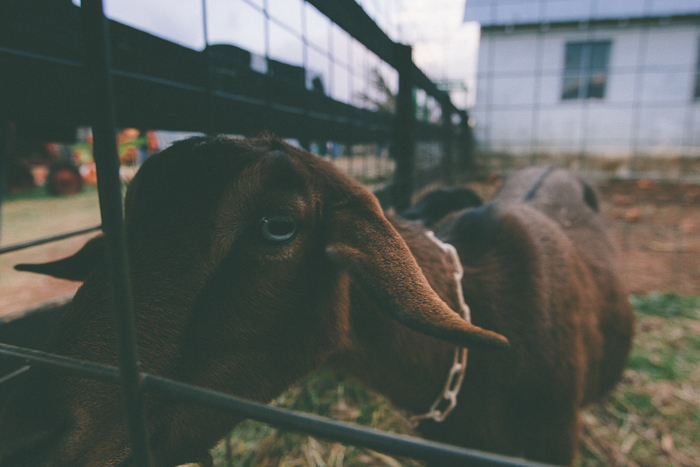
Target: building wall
x: 488, y: 12
x: 648, y: 108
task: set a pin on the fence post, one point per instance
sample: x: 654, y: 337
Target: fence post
x: 466, y: 141
x: 208, y: 78
x: 99, y: 85
x: 448, y: 165
x: 403, y: 145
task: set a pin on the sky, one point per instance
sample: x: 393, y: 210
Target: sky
x: 444, y: 47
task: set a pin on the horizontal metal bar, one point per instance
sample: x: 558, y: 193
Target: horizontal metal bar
x: 90, y: 370
x: 389, y: 443
x: 156, y: 80
x: 398, y: 445
x: 238, y: 97
x: 355, y: 21
x: 45, y: 58
x: 14, y: 374
x: 41, y: 241
x: 131, y: 78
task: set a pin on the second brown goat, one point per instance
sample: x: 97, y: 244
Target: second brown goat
x: 254, y: 263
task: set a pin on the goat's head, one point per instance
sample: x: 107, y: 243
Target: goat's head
x: 241, y: 252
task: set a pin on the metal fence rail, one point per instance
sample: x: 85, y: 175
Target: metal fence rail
x: 96, y: 41
x: 405, y: 446
x: 44, y: 240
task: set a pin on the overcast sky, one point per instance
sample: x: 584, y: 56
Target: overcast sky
x: 444, y: 47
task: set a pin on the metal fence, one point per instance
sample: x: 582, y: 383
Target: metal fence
x: 212, y: 109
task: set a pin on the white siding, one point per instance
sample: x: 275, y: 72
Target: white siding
x: 564, y: 10
x: 488, y: 12
x: 648, y: 107
x: 515, y: 54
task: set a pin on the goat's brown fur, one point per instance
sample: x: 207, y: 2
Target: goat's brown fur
x: 219, y: 307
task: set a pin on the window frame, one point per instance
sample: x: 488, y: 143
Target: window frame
x: 585, y: 73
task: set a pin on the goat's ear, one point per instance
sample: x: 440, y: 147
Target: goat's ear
x: 75, y: 267
x: 361, y: 241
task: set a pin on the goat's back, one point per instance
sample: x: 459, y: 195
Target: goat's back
x: 573, y: 204
x: 546, y: 270
x: 548, y: 185
x: 529, y: 276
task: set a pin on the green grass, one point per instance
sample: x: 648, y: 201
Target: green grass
x: 653, y: 416
x: 667, y: 305
x: 34, y: 214
x: 38, y: 192
x: 651, y: 419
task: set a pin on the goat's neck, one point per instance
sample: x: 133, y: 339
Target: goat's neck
x: 407, y: 367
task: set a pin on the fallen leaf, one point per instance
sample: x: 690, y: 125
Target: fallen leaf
x: 644, y: 183
x: 667, y: 443
x: 633, y: 215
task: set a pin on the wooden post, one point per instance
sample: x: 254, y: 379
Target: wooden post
x: 403, y: 145
x: 448, y: 165
x: 466, y: 149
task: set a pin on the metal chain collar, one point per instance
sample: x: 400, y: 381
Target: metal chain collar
x: 459, y: 365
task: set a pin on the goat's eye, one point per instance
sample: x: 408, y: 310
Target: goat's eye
x: 278, y: 228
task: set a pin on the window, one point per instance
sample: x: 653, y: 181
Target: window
x: 585, y: 70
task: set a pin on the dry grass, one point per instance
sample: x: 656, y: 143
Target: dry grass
x: 254, y: 444
x: 651, y: 419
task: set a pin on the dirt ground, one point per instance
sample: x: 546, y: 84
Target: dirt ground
x: 656, y: 225
x: 31, y: 218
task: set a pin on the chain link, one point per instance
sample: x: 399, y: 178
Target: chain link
x: 459, y: 365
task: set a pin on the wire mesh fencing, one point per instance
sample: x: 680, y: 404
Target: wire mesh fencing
x: 612, y: 94
x: 609, y: 97
x: 376, y: 146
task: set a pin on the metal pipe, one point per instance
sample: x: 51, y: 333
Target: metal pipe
x: 54, y: 238
x: 14, y: 374
x: 448, y: 165
x: 403, y: 145
x: 38, y: 358
x: 347, y: 433
x: 398, y: 445
x: 208, y: 85
x: 99, y: 85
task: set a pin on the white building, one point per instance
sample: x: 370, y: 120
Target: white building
x: 611, y: 83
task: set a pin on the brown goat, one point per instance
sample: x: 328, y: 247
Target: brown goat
x: 254, y: 263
